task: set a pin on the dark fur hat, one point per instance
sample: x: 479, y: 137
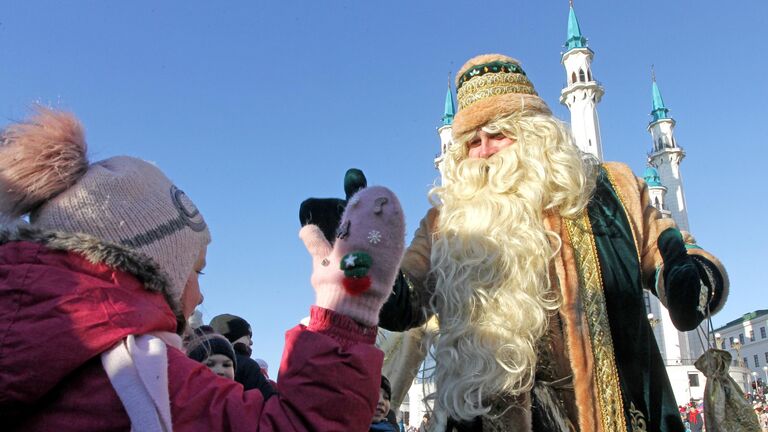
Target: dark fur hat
x: 231, y: 327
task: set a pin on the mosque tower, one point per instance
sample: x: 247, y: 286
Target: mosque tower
x: 666, y: 157
x: 582, y: 93
x: 446, y: 129
x: 662, y: 176
x: 656, y: 191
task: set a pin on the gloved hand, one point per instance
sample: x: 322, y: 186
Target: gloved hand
x: 326, y: 212
x: 682, y: 281
x: 354, y: 277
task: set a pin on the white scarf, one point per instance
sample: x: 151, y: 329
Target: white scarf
x: 137, y: 367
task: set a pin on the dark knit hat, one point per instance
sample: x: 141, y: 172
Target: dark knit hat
x: 386, y: 386
x: 205, y: 345
x: 231, y: 327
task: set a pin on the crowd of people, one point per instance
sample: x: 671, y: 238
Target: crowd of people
x: 759, y: 401
x: 535, y: 258
x: 692, y: 414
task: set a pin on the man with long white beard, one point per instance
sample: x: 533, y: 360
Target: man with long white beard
x: 534, y: 259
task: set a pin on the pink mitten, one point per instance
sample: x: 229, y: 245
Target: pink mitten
x: 355, y: 276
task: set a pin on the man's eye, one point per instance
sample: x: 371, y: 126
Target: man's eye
x: 474, y: 143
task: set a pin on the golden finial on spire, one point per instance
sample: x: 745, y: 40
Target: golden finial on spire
x: 570, y: 2
x: 653, y: 73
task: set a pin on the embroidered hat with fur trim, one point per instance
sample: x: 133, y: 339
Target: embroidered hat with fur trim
x: 44, y: 173
x: 490, y: 86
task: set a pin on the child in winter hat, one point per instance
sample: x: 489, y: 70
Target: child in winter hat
x: 45, y: 174
x: 127, y: 205
x: 213, y: 350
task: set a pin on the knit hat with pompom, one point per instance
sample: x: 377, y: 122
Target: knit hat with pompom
x: 45, y: 174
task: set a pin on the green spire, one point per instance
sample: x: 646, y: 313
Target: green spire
x: 450, y: 110
x: 652, y: 178
x: 659, y: 110
x: 575, y: 39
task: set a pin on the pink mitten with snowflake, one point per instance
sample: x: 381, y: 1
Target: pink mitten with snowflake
x: 354, y: 277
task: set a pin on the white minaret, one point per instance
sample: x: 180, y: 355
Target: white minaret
x: 656, y: 191
x: 583, y: 93
x: 666, y: 157
x: 446, y: 129
x: 673, y: 345
x: 664, y: 176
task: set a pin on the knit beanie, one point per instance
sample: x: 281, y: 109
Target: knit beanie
x: 231, y: 327
x: 206, y: 345
x: 491, y: 86
x: 386, y: 386
x: 44, y: 173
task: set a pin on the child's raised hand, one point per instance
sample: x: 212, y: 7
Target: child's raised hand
x: 355, y: 276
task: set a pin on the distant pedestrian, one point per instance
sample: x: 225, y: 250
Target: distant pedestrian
x: 762, y: 416
x: 264, y: 367
x: 424, y: 426
x: 695, y: 418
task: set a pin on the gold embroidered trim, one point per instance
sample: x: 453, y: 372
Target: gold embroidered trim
x: 609, y: 399
x: 493, y: 84
x: 637, y: 419
x: 626, y: 213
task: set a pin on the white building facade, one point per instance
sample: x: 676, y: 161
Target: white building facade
x: 746, y: 338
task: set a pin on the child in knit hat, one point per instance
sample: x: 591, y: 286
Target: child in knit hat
x: 214, y: 351
x: 105, y: 273
x: 248, y: 372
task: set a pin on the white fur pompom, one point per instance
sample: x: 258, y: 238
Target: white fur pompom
x: 40, y: 158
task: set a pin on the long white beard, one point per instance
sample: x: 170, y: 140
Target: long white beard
x: 493, y: 296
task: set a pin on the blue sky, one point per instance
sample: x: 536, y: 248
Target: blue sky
x: 250, y: 107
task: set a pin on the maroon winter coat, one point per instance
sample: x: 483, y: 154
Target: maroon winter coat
x: 59, y: 312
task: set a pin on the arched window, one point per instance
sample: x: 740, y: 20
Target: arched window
x: 589, y: 75
x: 573, y: 77
x: 581, y: 75
x: 657, y: 204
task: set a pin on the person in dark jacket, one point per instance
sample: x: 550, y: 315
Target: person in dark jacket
x: 238, y: 333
